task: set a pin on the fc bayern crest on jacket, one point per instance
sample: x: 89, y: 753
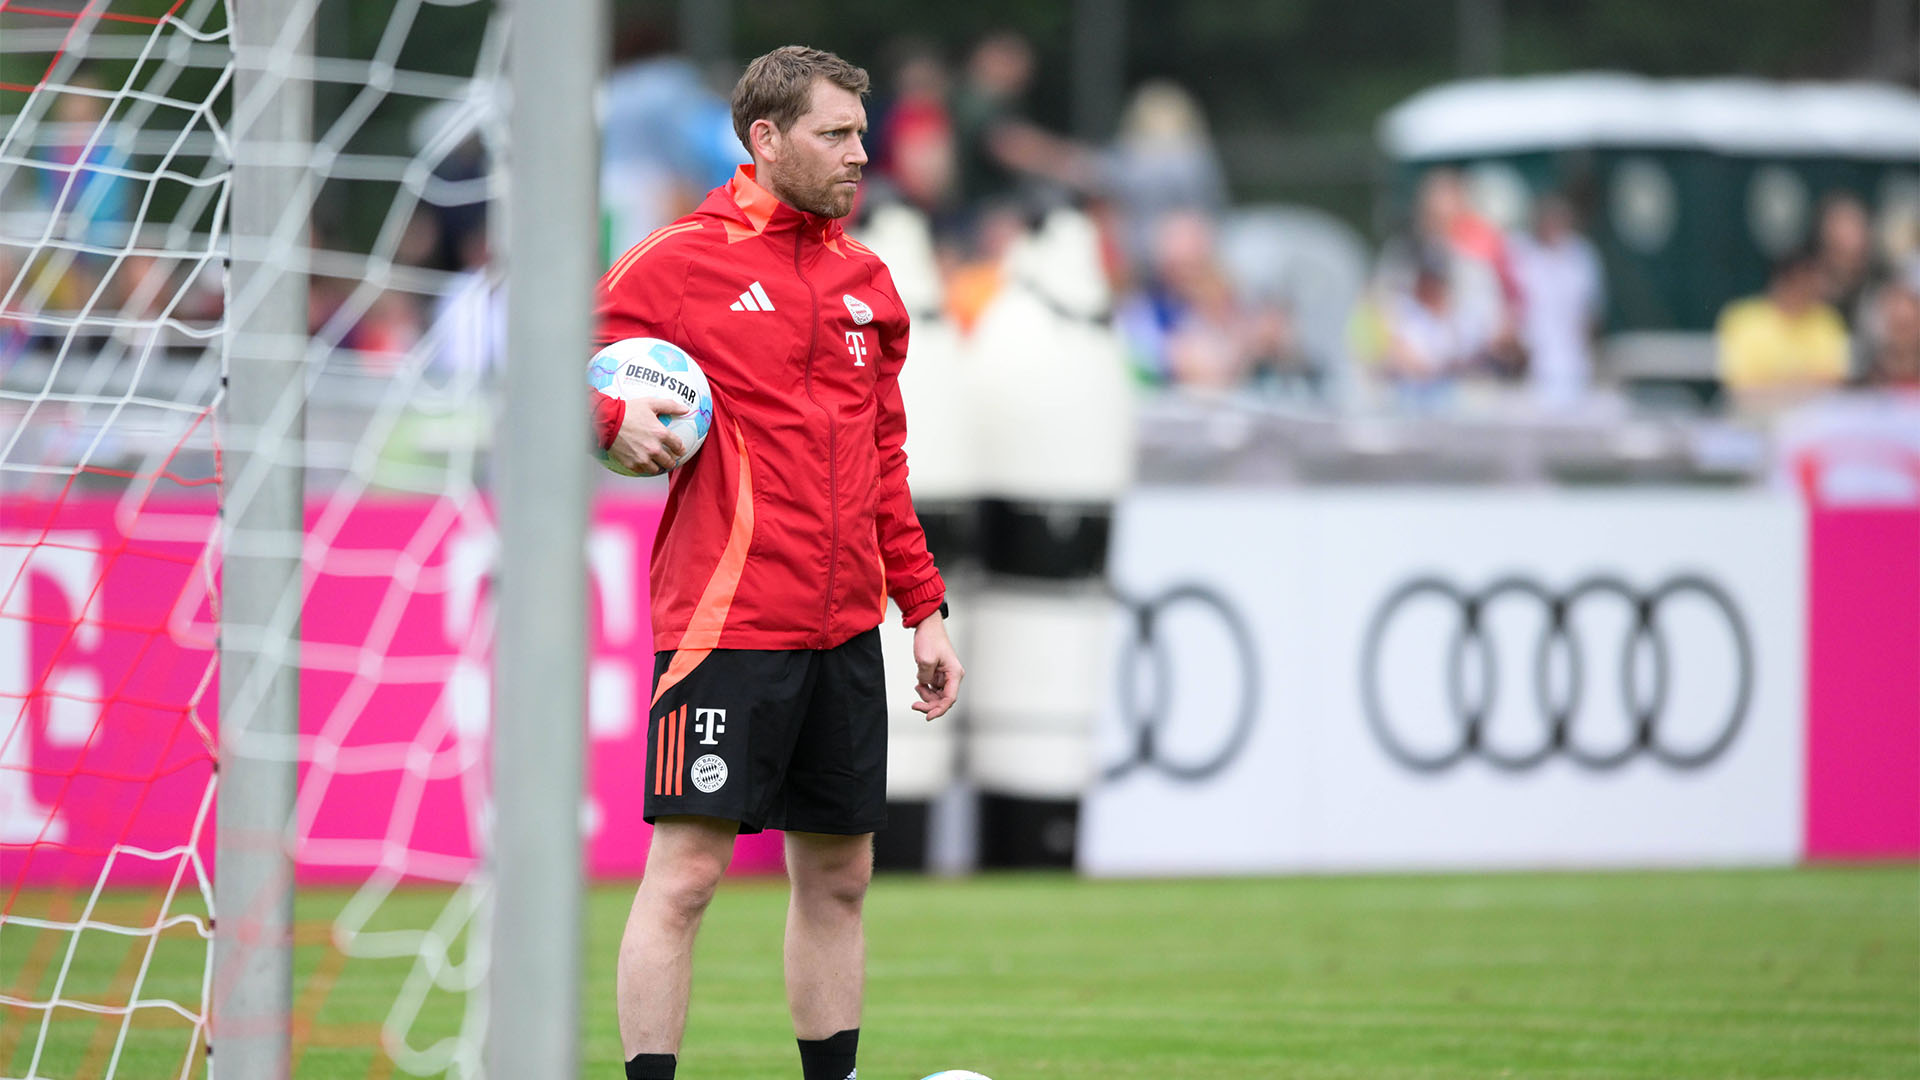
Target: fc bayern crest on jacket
x: 862, y: 314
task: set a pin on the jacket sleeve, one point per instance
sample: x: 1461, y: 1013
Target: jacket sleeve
x: 912, y: 580
x: 639, y: 297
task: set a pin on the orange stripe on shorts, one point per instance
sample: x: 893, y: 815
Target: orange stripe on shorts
x: 659, y: 753
x: 680, y: 753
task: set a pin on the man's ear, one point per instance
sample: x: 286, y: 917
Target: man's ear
x: 766, y: 140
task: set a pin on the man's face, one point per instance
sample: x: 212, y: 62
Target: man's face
x: 816, y: 163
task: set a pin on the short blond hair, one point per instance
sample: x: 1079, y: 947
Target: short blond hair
x: 779, y: 86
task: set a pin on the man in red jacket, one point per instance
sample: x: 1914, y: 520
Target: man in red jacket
x: 782, y: 541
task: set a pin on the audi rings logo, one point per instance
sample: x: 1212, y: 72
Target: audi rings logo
x: 1147, y: 657
x: 1645, y: 675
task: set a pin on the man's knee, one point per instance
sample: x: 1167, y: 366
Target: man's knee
x: 685, y: 866
x: 833, y: 869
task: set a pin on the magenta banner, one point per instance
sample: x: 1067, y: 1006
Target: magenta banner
x: 109, y: 688
x: 1863, y: 689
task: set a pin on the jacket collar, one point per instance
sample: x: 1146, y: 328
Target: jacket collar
x: 751, y: 210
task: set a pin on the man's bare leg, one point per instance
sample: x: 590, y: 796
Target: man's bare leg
x: 826, y: 946
x: 656, y: 953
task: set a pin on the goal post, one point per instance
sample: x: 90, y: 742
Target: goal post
x: 295, y: 307
x: 263, y: 529
x: 543, y: 479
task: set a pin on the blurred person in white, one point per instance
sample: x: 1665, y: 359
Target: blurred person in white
x: 1481, y: 277
x: 1161, y: 161
x: 1562, y: 290
x: 1431, y: 337
x: 1784, y: 346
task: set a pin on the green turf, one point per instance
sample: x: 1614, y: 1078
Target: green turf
x: 1804, y: 973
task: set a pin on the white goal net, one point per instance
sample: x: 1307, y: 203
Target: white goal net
x: 123, y: 143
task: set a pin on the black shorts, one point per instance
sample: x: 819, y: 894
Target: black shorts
x: 772, y: 738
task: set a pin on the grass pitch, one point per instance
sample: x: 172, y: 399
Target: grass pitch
x: 1800, y: 973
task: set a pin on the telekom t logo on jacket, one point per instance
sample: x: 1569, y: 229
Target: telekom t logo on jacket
x: 857, y: 345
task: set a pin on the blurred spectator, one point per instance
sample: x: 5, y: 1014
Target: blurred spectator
x: 454, y: 222
x: 1000, y: 149
x: 1431, y: 336
x: 15, y: 331
x: 387, y: 331
x: 1178, y: 323
x: 914, y: 141
x: 667, y: 137
x: 974, y: 269
x: 1186, y: 323
x: 421, y: 242
x: 1844, y: 239
x: 1562, y: 296
x: 1455, y: 252
x: 1893, y: 337
x: 1444, y: 215
x: 1276, y: 359
x: 1785, y: 344
x: 471, y: 317
x: 1161, y: 161
x: 81, y: 143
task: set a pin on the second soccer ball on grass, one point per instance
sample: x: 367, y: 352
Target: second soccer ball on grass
x: 638, y: 368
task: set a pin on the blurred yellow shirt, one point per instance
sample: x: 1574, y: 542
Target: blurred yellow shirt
x: 1760, y: 345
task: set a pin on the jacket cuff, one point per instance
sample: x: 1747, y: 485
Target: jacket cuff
x: 921, y: 601
x: 609, y: 413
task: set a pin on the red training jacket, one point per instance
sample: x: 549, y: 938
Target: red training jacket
x: 793, y: 524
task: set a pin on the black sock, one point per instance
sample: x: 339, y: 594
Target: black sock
x: 830, y: 1058
x: 651, y: 1067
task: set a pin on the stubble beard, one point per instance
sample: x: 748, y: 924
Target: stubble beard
x: 828, y: 200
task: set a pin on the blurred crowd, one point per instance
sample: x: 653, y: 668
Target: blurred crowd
x: 1832, y: 314
x: 1456, y: 299
x: 957, y: 143
x: 1204, y: 300
x: 1452, y: 301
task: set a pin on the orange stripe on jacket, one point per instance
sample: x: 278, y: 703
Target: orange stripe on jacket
x: 653, y: 239
x: 756, y: 202
x: 710, y: 615
x: 684, y: 661
x: 648, y: 242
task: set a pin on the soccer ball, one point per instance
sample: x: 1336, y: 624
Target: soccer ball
x: 955, y: 1074
x: 648, y: 367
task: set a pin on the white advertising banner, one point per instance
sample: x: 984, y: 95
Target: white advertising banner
x: 1413, y: 679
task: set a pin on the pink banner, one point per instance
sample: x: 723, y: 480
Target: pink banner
x: 108, y: 690
x: 1863, y: 688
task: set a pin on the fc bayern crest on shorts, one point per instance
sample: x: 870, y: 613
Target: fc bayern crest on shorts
x: 709, y: 773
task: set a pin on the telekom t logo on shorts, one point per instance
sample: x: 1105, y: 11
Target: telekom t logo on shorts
x: 857, y: 345
x: 710, y: 722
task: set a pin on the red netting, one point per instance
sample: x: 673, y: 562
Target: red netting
x: 26, y: 16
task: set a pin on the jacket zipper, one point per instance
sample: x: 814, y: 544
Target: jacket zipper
x: 833, y: 456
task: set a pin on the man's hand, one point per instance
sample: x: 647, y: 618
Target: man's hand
x: 644, y: 444
x: 938, y: 668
